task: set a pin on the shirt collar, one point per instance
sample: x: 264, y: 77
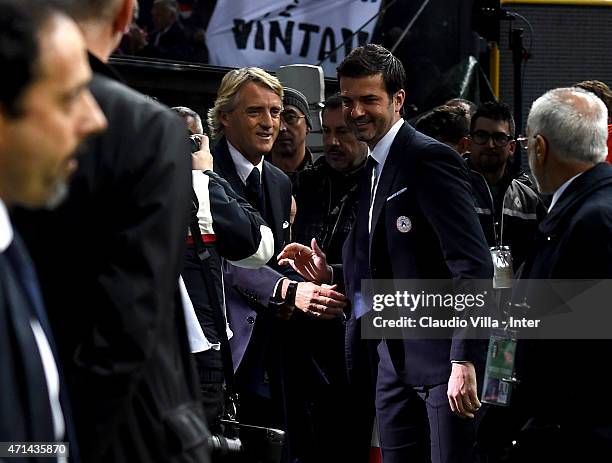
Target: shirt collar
x: 243, y: 165
x: 381, y: 150
x: 560, y: 191
x: 6, y: 229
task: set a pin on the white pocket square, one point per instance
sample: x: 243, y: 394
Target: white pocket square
x: 397, y: 193
x: 285, y: 224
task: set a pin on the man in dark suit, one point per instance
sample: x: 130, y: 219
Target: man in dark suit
x: 43, y: 56
x: 565, y: 419
x: 416, y: 220
x: 110, y: 276
x: 245, y: 119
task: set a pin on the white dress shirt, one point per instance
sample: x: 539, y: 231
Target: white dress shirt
x: 380, y: 153
x: 243, y: 165
x: 560, y: 191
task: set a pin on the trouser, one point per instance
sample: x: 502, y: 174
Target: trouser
x: 416, y: 423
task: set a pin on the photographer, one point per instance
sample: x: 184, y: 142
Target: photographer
x: 229, y: 228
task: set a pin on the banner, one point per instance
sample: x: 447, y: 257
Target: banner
x: 272, y: 33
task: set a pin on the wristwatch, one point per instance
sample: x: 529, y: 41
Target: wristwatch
x: 291, y: 292
x: 278, y: 302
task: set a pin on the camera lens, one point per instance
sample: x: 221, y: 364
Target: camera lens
x: 195, y: 143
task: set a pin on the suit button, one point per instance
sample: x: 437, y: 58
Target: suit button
x: 250, y: 320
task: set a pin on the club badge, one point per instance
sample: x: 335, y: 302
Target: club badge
x: 404, y: 225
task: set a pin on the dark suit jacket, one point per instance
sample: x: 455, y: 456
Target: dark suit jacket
x: 109, y: 262
x: 427, y: 182
x: 248, y: 291
x: 25, y: 409
x: 574, y: 242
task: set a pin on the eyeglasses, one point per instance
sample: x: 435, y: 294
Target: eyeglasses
x: 289, y: 117
x: 523, y: 141
x: 482, y: 137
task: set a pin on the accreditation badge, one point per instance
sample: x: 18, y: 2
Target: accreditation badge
x: 499, y: 371
x: 502, y: 267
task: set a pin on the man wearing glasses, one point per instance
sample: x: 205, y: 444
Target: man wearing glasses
x: 507, y: 205
x: 290, y: 153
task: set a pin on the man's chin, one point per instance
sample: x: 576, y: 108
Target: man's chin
x: 57, y: 196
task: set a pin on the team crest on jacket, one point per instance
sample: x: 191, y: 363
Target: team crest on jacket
x: 404, y: 225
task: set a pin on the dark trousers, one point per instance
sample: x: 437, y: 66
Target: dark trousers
x: 416, y: 424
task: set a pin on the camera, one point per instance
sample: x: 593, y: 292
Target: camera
x: 195, y: 142
x: 255, y: 444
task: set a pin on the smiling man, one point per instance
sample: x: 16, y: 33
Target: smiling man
x: 46, y: 111
x: 416, y: 180
x: 245, y: 119
x: 416, y: 220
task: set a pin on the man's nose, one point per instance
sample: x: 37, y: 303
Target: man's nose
x: 356, y: 111
x: 93, y: 119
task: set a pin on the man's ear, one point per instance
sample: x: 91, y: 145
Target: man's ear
x: 398, y: 99
x: 512, y: 147
x: 123, y: 17
x: 541, y: 150
x: 463, y: 145
x: 223, y: 119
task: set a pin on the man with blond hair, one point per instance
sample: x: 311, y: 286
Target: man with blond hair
x: 245, y: 119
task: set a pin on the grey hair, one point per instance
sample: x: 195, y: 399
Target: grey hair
x: 574, y: 122
x: 185, y: 112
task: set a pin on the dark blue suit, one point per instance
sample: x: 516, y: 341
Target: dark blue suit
x: 261, y: 345
x: 25, y: 410
x: 427, y: 182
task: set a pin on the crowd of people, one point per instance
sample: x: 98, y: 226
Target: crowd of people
x: 146, y: 278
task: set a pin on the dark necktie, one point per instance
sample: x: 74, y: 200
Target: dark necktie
x: 254, y: 190
x: 35, y: 380
x: 362, y: 235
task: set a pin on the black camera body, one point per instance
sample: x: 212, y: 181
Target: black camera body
x: 255, y: 444
x: 195, y: 142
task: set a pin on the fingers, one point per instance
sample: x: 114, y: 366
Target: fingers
x: 204, y: 141
x: 473, y: 398
x: 328, y: 292
x: 292, y: 250
x: 324, y: 312
x: 315, y: 247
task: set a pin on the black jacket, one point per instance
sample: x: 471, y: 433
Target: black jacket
x: 427, y: 184
x: 514, y: 220
x: 574, y: 242
x: 109, y: 262
x: 326, y: 207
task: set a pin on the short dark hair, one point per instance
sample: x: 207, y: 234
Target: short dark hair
x: 374, y: 59
x: 445, y: 123
x: 458, y: 102
x: 333, y: 102
x: 20, y: 24
x: 494, y: 110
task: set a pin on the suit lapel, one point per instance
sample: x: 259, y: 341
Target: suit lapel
x: 20, y: 312
x: 224, y: 166
x: 389, y: 173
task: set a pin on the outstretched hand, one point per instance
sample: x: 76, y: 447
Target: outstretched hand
x: 310, y: 263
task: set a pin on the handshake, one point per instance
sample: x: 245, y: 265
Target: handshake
x: 315, y: 297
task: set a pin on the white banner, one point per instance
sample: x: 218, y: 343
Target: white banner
x: 272, y: 33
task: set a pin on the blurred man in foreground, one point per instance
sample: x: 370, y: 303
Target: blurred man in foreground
x: 46, y: 111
